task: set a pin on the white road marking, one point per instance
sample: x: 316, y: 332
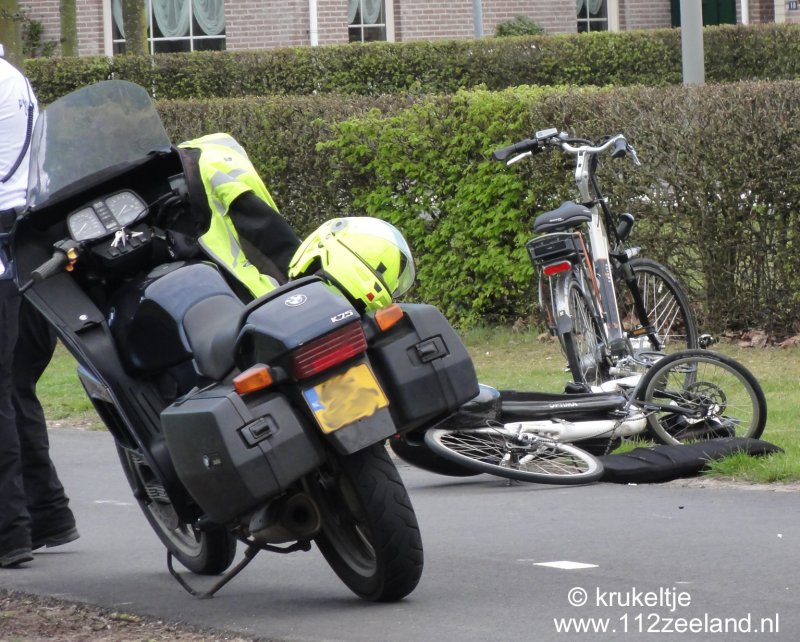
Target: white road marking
x: 566, y: 565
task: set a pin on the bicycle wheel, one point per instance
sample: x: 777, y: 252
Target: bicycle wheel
x: 582, y: 344
x: 667, y: 306
x: 524, y: 457
x: 697, y: 394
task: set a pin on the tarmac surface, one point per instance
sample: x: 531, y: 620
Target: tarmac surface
x: 695, y: 561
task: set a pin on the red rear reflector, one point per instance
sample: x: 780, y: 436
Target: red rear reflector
x: 252, y: 379
x: 323, y: 353
x: 557, y: 268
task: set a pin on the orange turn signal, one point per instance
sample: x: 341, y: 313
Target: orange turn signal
x: 388, y: 316
x: 252, y: 379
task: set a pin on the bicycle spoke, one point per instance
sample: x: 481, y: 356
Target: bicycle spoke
x: 499, y: 449
x: 702, y: 395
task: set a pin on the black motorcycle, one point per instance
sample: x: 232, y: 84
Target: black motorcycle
x: 214, y: 403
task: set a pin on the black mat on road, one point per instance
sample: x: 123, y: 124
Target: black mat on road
x: 664, y: 463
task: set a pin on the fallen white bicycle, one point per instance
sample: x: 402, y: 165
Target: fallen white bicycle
x: 689, y: 395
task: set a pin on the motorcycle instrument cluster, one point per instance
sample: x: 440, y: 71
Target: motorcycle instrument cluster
x: 106, y: 215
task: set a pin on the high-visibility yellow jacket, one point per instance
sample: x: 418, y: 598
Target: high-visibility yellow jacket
x: 227, y: 173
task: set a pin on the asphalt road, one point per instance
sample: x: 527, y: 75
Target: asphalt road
x: 662, y: 562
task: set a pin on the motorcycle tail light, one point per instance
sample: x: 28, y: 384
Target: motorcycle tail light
x: 557, y: 268
x: 320, y: 354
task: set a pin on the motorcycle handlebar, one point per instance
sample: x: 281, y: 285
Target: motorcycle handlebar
x: 52, y: 266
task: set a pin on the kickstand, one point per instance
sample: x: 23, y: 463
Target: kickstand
x: 249, y: 554
x: 251, y: 551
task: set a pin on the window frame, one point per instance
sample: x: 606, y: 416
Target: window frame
x: 387, y: 24
x: 113, y: 42
x: 584, y: 18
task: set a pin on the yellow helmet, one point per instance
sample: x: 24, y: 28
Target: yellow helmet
x: 367, y: 258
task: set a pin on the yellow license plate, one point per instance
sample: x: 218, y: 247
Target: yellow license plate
x: 345, y: 398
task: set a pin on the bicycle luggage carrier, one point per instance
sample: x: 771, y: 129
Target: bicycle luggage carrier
x: 550, y: 247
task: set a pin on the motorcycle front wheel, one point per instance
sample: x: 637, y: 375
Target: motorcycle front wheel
x: 206, y: 552
x: 369, y: 534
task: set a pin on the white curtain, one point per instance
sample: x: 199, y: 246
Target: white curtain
x: 172, y: 17
x: 370, y: 11
x: 116, y: 12
x: 594, y: 6
x: 210, y: 15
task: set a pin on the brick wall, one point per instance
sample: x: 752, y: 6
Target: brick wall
x: 553, y: 17
x: 431, y: 20
x: 258, y: 24
x: 255, y: 24
x: 644, y: 14
x: 46, y: 12
x: 762, y: 11
x: 90, y: 27
x: 89, y: 14
x: 331, y: 22
x: 787, y: 15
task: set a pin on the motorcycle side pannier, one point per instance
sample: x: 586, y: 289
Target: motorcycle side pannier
x: 423, y: 366
x: 232, y: 455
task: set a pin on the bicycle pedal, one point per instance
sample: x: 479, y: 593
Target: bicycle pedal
x: 706, y: 341
x: 618, y: 347
x: 574, y: 388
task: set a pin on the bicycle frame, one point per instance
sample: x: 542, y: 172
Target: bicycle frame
x: 599, y: 253
x: 590, y: 266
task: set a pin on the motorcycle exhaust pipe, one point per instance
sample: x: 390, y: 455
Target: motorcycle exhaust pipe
x: 287, y: 519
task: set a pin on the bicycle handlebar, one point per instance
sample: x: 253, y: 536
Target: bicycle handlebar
x: 529, y: 145
x: 574, y: 146
x: 618, y: 142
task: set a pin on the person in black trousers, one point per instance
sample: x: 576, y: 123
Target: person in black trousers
x: 34, y: 509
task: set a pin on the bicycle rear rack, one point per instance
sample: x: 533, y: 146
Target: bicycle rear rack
x: 551, y: 247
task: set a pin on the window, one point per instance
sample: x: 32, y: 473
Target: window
x: 367, y: 20
x: 592, y: 15
x: 176, y: 25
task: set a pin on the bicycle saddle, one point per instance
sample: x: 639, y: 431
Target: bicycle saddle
x: 566, y: 216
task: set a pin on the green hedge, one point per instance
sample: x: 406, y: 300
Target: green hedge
x: 280, y: 134
x: 716, y: 199
x: 647, y: 57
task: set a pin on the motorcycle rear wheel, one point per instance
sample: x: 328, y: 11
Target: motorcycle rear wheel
x: 369, y: 535
x: 206, y: 552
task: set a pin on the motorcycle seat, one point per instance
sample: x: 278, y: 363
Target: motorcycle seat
x: 566, y: 216
x: 212, y: 326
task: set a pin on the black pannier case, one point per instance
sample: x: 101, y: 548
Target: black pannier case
x: 423, y: 367
x: 232, y: 455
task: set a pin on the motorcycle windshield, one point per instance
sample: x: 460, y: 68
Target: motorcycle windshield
x: 95, y: 131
